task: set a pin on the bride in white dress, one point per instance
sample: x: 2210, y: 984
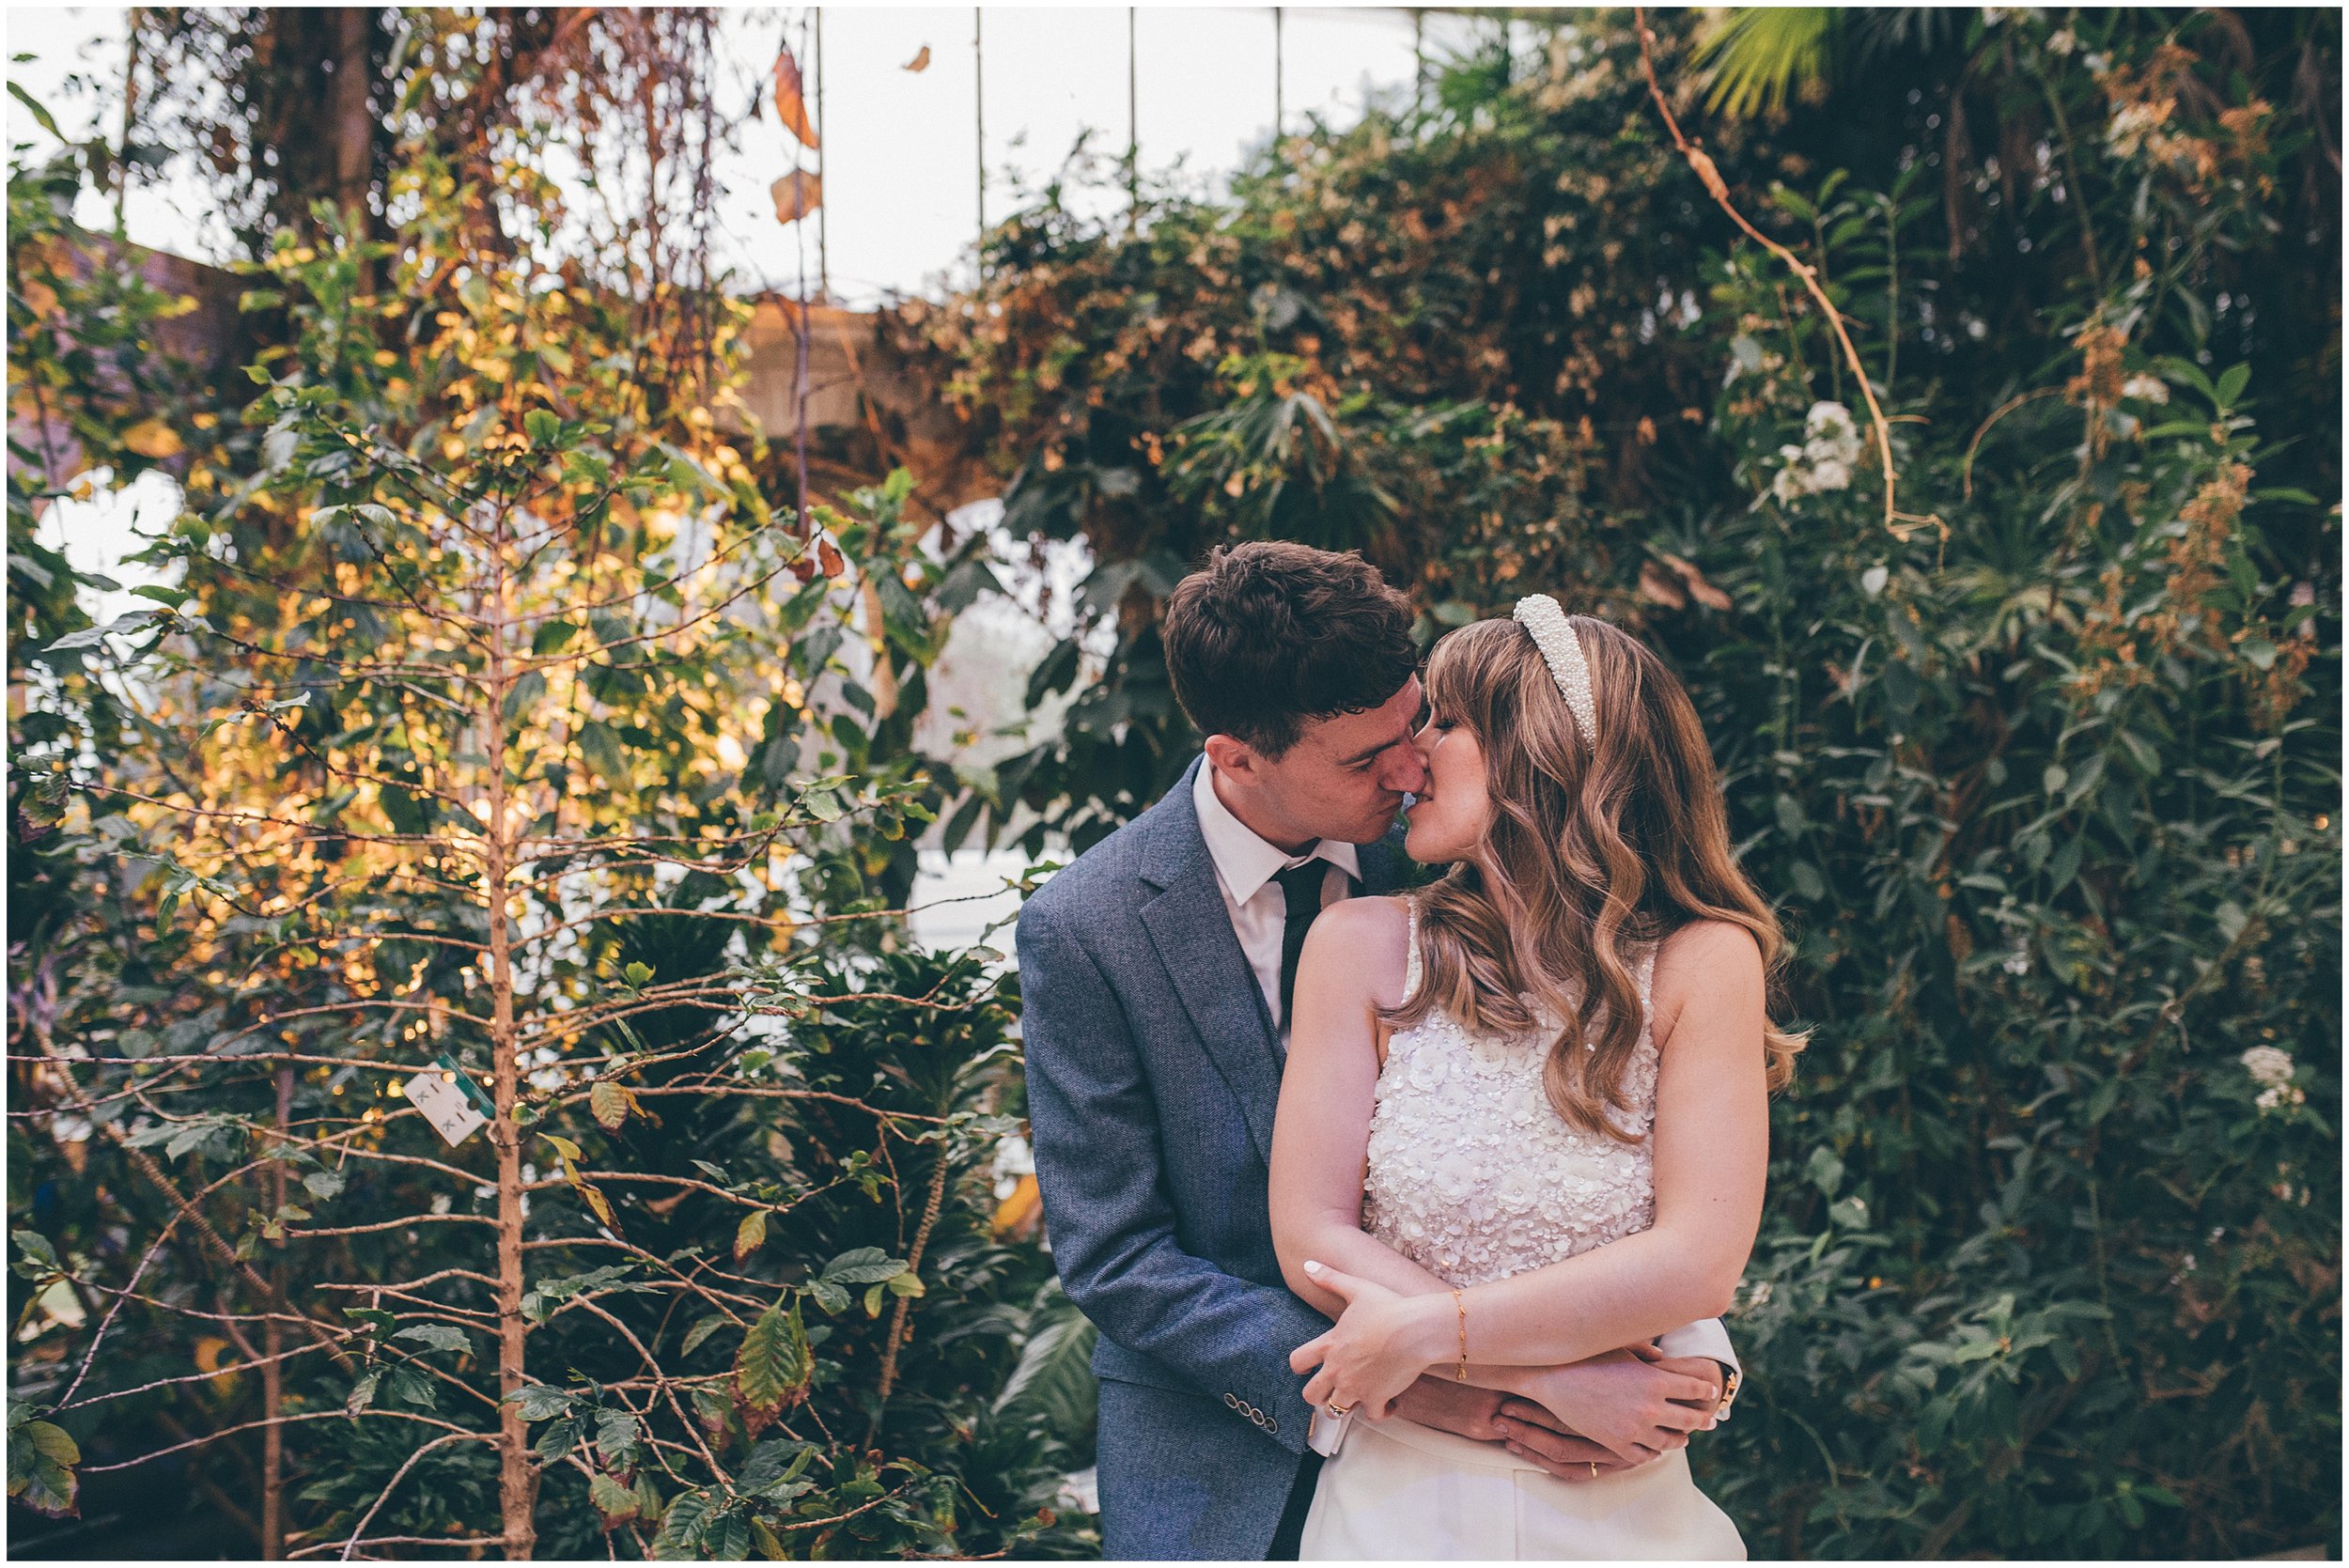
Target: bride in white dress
x: 1524, y: 1120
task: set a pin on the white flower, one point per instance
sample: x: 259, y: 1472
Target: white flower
x: 2018, y: 961
x: 1829, y: 419
x: 2269, y: 1067
x: 2061, y: 42
x: 1830, y: 475
x: 1787, y: 485
x: 1081, y: 1490
x: 2152, y: 388
x: 1013, y: 1160
x: 2097, y: 63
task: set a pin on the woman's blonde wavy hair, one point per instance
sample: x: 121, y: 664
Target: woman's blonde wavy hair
x: 1591, y: 853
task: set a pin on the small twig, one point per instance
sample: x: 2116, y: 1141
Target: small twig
x: 1902, y: 525
x: 1967, y: 474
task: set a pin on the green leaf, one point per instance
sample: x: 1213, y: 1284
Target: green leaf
x: 682, y: 1528
x: 436, y: 1336
x: 617, y: 1434
x: 638, y: 974
x: 2230, y: 384
x: 536, y: 1402
x: 322, y: 1183
x: 557, y: 1440
x: 863, y: 1266
x: 410, y: 1387
x: 41, y: 1456
x: 523, y: 698
x: 774, y: 1365
x: 42, y: 119
x: 619, y: 1504
x: 602, y: 748
x: 699, y: 1334
x: 542, y: 426
x: 1054, y: 1387
x: 40, y: 1258
x: 610, y: 1102
x: 728, y: 1538
x: 749, y: 1235
x: 563, y: 1147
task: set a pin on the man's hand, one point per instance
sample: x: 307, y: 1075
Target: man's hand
x: 1532, y: 1433
x: 1450, y: 1407
x: 1633, y: 1404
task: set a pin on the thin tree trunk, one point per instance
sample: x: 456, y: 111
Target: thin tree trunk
x: 517, y: 1484
x: 272, y: 1369
x: 354, y: 125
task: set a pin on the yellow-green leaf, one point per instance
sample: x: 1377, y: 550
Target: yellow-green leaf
x: 772, y: 1370
x: 750, y: 1234
x: 610, y: 1102
x: 616, y: 1503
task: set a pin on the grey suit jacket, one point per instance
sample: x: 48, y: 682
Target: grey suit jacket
x: 1152, y: 1075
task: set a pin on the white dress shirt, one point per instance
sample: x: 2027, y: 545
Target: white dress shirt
x: 1245, y: 866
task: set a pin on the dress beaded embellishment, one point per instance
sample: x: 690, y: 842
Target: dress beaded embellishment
x: 1475, y: 1176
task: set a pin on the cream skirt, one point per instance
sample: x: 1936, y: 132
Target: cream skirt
x: 1397, y: 1490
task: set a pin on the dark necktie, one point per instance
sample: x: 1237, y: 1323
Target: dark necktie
x: 1301, y: 886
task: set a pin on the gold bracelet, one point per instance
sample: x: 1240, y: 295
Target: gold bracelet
x: 1459, y: 1374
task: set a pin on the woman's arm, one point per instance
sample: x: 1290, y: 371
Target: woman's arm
x: 1712, y: 1152
x: 1354, y: 961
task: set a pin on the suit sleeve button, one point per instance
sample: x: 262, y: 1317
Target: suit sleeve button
x: 1272, y: 1424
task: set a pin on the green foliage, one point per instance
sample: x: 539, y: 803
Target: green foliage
x: 2048, y: 794
x: 503, y: 724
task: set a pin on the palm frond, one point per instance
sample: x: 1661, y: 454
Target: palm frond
x: 1757, y: 55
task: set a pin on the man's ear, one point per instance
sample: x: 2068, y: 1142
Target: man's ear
x: 1231, y: 758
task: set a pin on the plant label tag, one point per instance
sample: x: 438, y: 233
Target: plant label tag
x: 448, y: 1107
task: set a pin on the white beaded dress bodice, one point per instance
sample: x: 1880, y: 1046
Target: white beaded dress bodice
x: 1475, y: 1176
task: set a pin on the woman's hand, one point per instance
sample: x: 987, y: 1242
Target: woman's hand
x: 1379, y: 1346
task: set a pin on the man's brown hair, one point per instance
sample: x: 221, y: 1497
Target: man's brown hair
x: 1269, y: 634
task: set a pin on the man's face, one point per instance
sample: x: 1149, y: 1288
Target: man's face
x: 1345, y: 779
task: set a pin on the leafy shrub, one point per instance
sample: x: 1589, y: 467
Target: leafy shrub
x: 2045, y: 773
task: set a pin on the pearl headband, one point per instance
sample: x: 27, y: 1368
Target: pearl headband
x: 1562, y: 650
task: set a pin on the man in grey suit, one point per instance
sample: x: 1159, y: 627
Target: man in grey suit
x: 1155, y: 973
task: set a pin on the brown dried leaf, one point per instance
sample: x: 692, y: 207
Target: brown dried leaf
x: 797, y: 194
x: 920, y: 61
x: 1657, y: 585
x: 790, y: 101
x: 1699, y: 587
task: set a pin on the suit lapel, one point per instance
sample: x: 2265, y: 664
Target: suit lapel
x: 1192, y: 932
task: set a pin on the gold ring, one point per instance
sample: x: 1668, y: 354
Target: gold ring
x: 1336, y: 1411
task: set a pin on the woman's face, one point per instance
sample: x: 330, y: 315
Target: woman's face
x: 1449, y: 819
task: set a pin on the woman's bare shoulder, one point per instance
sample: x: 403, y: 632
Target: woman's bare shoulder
x: 1705, y: 957
x: 1365, y: 939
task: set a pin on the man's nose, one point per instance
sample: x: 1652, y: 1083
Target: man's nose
x: 1405, y: 771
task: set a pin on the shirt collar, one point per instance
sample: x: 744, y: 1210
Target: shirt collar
x: 1244, y: 861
